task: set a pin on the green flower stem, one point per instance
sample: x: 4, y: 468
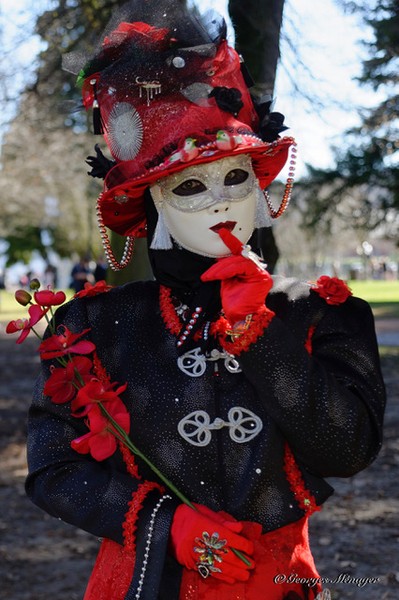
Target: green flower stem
x: 128, y: 442
x: 51, y: 322
x: 241, y: 556
x: 79, y: 378
x: 36, y: 334
x: 63, y: 362
x: 121, y: 434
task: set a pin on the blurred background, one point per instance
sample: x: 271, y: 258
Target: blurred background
x: 331, y: 68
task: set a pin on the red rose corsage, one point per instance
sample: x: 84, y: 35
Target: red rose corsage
x: 334, y: 291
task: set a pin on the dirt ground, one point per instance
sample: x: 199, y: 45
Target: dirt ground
x: 355, y: 538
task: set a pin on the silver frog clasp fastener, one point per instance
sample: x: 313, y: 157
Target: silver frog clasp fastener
x: 243, y: 425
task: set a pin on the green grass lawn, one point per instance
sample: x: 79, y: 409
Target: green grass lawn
x: 383, y: 296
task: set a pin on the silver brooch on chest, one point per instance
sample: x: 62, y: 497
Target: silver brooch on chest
x: 196, y: 428
x: 193, y: 363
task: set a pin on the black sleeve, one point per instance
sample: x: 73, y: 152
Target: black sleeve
x: 329, y: 404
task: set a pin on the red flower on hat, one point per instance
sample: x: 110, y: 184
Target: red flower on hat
x: 65, y: 343
x: 93, y: 290
x: 63, y: 383
x: 92, y: 393
x: 335, y: 291
x: 101, y: 442
x: 26, y: 325
x: 142, y: 33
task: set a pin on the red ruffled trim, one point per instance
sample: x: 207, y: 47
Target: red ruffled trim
x: 99, y: 370
x: 114, y: 566
x: 135, y: 505
x: 309, y: 339
x: 168, y: 313
x: 259, y: 322
x: 303, y: 496
x: 129, y: 461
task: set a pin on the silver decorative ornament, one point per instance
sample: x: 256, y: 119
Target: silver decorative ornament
x: 196, y: 428
x: 178, y: 62
x: 125, y: 131
x: 193, y: 362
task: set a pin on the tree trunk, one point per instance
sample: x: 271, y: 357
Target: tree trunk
x: 257, y: 25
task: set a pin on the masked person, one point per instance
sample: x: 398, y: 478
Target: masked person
x: 245, y: 391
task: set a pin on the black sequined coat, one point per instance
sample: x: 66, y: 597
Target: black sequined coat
x: 328, y: 406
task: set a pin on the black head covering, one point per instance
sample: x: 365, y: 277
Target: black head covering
x: 181, y: 270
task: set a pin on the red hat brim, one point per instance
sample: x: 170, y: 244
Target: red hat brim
x: 122, y: 204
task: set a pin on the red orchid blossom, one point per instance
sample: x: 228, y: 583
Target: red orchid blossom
x: 64, y: 343
x: 26, y: 325
x: 92, y: 290
x: 93, y: 392
x: 107, y: 418
x: 62, y: 384
x: 49, y: 298
x: 101, y: 442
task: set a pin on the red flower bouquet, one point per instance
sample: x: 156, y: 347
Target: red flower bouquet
x: 63, y: 382
x: 82, y: 381
x: 78, y: 379
x: 65, y: 343
x: 101, y: 441
x: 25, y: 326
x: 94, y: 392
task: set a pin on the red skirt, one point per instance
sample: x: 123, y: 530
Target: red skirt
x: 112, y: 573
x: 284, y: 569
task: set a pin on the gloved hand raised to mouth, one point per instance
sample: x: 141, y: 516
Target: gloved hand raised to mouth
x: 245, y: 281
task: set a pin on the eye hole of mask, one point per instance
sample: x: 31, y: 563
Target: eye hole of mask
x: 235, y: 177
x: 189, y: 188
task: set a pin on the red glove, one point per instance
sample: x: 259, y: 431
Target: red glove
x: 245, y: 284
x: 202, y: 539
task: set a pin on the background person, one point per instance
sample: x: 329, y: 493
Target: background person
x: 81, y: 273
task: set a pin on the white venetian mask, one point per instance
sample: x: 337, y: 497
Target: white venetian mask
x: 196, y: 202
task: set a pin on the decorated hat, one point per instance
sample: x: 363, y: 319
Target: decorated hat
x: 167, y: 91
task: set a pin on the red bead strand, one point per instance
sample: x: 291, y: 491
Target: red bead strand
x: 288, y: 187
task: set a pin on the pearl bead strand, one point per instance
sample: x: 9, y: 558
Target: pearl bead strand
x: 127, y: 251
